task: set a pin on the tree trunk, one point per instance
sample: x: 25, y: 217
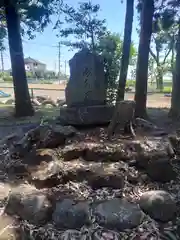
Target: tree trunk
x: 173, y: 58
x: 159, y: 78
x: 126, y: 49
x: 23, y: 106
x: 175, y: 100
x: 143, y: 58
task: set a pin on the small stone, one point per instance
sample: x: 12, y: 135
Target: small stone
x: 69, y: 214
x: 118, y: 214
x: 159, y: 205
x: 105, y: 234
x: 29, y: 204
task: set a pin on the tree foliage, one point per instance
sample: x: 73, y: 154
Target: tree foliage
x: 164, y: 35
x: 83, y: 25
x: 20, y: 17
x: 110, y: 48
x: 163, y: 39
x: 34, y: 15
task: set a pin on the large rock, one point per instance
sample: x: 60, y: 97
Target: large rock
x: 143, y: 151
x: 106, y: 152
x: 46, y: 170
x: 38, y: 156
x: 10, y: 139
x: 159, y: 205
x: 153, y: 154
x: 50, y: 137
x: 97, y: 175
x: 118, y: 214
x: 73, y: 151
x: 104, y: 178
x: 42, y: 164
x: 38, y: 164
x: 67, y: 131
x: 87, y: 84
x: 47, y: 136
x: 175, y: 141
x: 87, y: 115
x: 161, y: 170
x: 97, y: 152
x: 29, y: 204
x: 69, y: 214
x: 151, y: 150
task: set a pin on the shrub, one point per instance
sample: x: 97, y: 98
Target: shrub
x: 46, y: 82
x: 167, y: 90
x: 130, y: 83
x: 8, y: 78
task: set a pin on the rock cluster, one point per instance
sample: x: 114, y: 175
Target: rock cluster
x: 50, y: 165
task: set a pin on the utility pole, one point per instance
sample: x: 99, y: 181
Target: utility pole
x: 55, y: 66
x: 2, y: 61
x: 59, y: 60
x: 65, y: 67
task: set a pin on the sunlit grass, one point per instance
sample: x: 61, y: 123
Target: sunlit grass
x: 7, y: 118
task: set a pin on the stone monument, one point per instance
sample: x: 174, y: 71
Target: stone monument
x: 87, y: 85
x: 86, y: 91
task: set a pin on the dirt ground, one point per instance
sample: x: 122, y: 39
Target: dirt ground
x: 55, y: 91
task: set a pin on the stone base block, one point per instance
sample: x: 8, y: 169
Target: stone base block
x: 91, y: 115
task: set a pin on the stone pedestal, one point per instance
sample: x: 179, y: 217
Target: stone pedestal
x: 82, y: 116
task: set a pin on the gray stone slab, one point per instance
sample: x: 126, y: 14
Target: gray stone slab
x: 87, y: 83
x: 90, y: 115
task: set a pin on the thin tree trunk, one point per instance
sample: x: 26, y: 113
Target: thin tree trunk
x: 23, y: 106
x: 159, y: 78
x: 126, y: 49
x: 173, y: 57
x: 143, y: 58
x: 175, y: 100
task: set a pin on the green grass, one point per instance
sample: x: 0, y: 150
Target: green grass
x: 7, y: 118
x: 167, y: 86
x: 167, y: 90
x: 130, y: 83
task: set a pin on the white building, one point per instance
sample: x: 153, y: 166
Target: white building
x: 34, y: 66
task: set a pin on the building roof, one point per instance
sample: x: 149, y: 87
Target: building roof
x: 32, y: 60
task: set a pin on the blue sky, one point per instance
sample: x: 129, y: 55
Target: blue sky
x: 44, y: 46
